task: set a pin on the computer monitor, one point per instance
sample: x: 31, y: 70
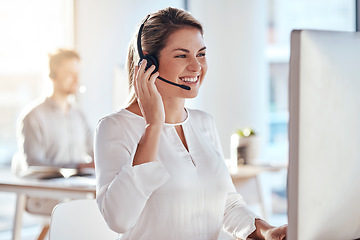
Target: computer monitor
x: 324, y: 136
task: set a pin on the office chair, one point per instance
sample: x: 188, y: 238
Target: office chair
x: 79, y: 219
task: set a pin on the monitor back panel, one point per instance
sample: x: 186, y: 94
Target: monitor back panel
x: 324, y: 136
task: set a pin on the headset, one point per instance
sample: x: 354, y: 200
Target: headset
x: 152, y: 60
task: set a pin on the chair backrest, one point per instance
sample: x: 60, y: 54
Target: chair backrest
x: 79, y: 219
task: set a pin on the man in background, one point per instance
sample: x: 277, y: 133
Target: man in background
x: 53, y: 132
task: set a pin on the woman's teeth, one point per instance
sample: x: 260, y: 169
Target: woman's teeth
x: 187, y: 79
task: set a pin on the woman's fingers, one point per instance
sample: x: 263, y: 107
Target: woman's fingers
x: 135, y: 82
x: 146, y: 78
x: 153, y: 77
x: 142, y: 77
x: 149, y: 99
x: 151, y: 83
x: 139, y: 76
x: 144, y: 83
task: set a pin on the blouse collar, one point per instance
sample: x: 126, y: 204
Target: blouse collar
x: 166, y: 124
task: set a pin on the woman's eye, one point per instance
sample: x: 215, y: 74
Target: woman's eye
x: 201, y: 54
x: 180, y: 56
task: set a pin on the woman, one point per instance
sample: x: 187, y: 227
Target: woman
x: 160, y: 167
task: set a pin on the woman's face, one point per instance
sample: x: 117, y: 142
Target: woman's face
x: 182, y: 61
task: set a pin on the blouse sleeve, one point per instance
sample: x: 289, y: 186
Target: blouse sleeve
x: 122, y: 189
x: 238, y: 221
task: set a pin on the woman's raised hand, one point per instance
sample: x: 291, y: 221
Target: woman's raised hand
x: 149, y: 98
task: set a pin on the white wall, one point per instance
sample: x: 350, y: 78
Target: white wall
x: 235, y: 91
x: 236, y: 87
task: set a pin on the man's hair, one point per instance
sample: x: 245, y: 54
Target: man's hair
x: 56, y: 58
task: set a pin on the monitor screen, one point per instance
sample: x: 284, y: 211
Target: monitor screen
x: 324, y: 136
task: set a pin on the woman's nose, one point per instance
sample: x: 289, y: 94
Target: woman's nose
x: 194, y: 65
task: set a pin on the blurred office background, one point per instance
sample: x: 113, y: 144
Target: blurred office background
x: 248, y: 46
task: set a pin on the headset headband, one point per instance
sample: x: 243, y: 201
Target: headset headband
x: 139, y: 38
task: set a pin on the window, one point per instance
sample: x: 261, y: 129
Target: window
x: 29, y: 31
x: 284, y: 16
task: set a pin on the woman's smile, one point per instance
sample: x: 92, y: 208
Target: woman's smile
x: 190, y: 79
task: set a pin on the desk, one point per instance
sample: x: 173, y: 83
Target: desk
x: 249, y: 171
x: 80, y: 187
x: 73, y: 188
x: 247, y: 176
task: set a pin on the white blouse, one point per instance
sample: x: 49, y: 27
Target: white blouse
x: 184, y: 195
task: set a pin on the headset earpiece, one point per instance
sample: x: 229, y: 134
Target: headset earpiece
x: 151, y: 60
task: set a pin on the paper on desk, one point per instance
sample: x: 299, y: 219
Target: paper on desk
x: 75, y: 181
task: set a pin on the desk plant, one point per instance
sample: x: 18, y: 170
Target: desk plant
x: 245, y: 146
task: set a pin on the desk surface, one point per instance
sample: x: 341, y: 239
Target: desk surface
x: 12, y: 183
x: 71, y: 185
x: 249, y: 171
x: 60, y: 188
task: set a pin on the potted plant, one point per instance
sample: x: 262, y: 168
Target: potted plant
x: 245, y: 146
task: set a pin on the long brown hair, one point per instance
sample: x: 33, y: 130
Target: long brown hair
x: 154, y: 36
